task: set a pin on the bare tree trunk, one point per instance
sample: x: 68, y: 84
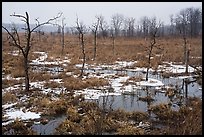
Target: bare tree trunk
x: 113, y: 42
x: 153, y: 31
x: 185, y: 49
x: 94, y: 29
x: 27, y: 86
x: 187, y: 60
x: 149, y: 59
x: 95, y: 37
x: 84, y: 55
x: 79, y: 39
x: 16, y: 42
x: 62, y: 40
x: 80, y: 28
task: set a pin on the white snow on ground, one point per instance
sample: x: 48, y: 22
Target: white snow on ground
x: 41, y: 60
x: 175, y: 68
x: 182, y: 77
x: 5, y: 106
x: 151, y: 83
x: 117, y: 85
x: 125, y: 63
x: 9, y: 77
x: 137, y: 69
x: 122, y: 64
x: 94, y: 93
x: 56, y: 80
x: 80, y: 65
x: 117, y: 65
x: 118, y: 88
x: 12, y: 115
x: 15, y: 52
x: 15, y: 87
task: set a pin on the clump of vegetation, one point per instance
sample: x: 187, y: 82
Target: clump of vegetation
x: 139, y: 116
x: 120, y: 115
x: 9, y: 97
x: 72, y: 83
x: 188, y: 118
x: 95, y: 82
x: 83, y: 123
x: 17, y: 128
x: 129, y: 130
x: 51, y: 84
x: 141, y: 63
x: 146, y: 99
x: 58, y: 107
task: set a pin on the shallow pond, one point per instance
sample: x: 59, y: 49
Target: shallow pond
x: 49, y: 128
x: 132, y: 102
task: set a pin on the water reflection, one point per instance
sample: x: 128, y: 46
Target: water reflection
x: 49, y: 128
x: 181, y: 90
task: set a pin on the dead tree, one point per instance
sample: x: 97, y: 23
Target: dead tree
x: 145, y: 26
x: 117, y: 20
x: 15, y: 40
x: 94, y: 29
x: 152, y: 35
x: 103, y: 26
x: 129, y: 27
x: 61, y: 32
x: 39, y: 31
x: 182, y: 22
x: 62, y: 42
x: 81, y: 30
x: 113, y: 40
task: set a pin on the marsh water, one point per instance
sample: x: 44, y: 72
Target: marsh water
x: 131, y: 102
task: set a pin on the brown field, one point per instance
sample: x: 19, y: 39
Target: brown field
x: 170, y: 49
x: 125, y: 49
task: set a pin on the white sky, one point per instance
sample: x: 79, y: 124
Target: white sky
x: 86, y: 11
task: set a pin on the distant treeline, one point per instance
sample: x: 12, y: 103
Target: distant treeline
x: 188, y: 20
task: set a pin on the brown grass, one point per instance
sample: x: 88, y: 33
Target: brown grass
x: 72, y: 83
x: 129, y: 130
x: 188, y: 118
x: 9, y: 97
x: 126, y: 49
x: 19, y: 128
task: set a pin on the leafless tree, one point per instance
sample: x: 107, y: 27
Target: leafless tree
x: 145, y: 26
x: 129, y: 26
x: 81, y: 30
x: 153, y: 33
x: 103, y: 27
x: 171, y: 29
x: 15, y: 40
x: 117, y: 20
x: 112, y: 32
x: 61, y: 29
x: 62, y: 26
x: 94, y: 29
x: 182, y: 22
x: 194, y: 20
x: 39, y: 31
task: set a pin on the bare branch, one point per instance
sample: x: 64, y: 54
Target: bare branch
x: 16, y: 32
x: 19, y: 16
x: 15, y: 42
x: 47, y: 22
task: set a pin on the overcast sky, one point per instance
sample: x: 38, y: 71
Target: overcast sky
x: 86, y: 11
